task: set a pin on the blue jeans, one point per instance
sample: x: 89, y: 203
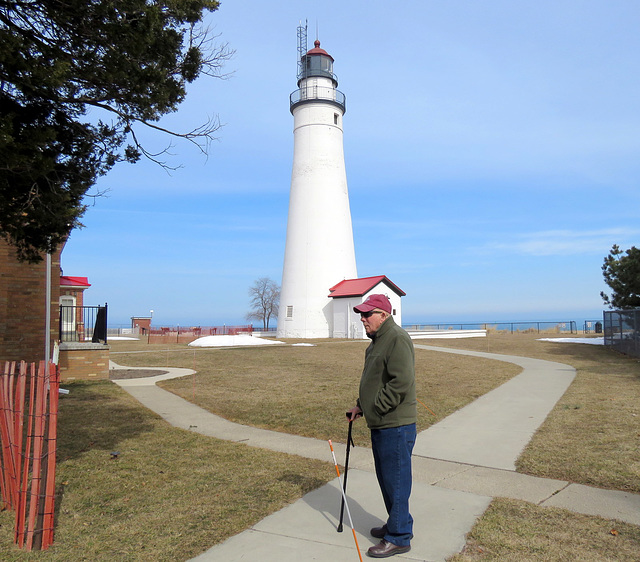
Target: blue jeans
x: 392, y: 449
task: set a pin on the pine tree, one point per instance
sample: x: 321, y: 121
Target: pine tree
x: 78, y: 79
x: 622, y: 273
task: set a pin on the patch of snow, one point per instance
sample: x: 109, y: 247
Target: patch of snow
x: 230, y: 341
x: 117, y: 338
x: 592, y: 341
x: 447, y: 334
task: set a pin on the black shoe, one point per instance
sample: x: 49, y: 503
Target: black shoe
x: 378, y: 532
x: 385, y: 549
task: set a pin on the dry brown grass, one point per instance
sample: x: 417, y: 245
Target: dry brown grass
x: 513, y: 531
x: 307, y: 390
x: 589, y: 437
x: 592, y: 435
x: 169, y: 495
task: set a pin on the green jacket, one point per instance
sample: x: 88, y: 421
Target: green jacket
x: 388, y: 383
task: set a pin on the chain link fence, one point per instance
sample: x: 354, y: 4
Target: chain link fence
x: 622, y: 330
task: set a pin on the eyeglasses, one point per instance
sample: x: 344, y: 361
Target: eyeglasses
x: 368, y: 314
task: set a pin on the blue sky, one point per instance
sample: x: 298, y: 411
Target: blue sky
x: 492, y: 152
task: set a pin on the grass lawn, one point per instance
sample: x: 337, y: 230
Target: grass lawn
x: 307, y: 390
x: 515, y: 531
x: 592, y: 436
x: 171, y: 494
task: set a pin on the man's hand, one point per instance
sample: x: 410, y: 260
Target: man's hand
x: 354, y: 414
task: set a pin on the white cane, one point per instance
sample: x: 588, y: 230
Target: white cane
x: 344, y: 497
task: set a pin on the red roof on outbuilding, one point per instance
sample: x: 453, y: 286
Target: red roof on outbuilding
x: 358, y: 287
x: 68, y: 281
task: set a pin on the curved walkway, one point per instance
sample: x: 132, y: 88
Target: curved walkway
x: 459, y: 465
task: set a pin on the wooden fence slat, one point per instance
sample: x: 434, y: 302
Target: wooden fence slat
x: 3, y: 437
x: 52, y: 435
x: 36, y: 466
x: 9, y: 480
x: 21, y: 389
x: 3, y: 490
x: 11, y: 421
x: 27, y: 482
x: 24, y: 481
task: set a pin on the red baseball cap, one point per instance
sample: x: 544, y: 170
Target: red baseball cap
x: 372, y: 302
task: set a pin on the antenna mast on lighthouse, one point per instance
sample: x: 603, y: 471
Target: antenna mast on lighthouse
x: 302, y: 46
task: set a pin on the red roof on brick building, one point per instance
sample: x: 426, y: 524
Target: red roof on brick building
x: 67, y: 281
x: 359, y: 287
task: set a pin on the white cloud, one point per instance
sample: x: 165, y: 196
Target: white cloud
x: 562, y: 242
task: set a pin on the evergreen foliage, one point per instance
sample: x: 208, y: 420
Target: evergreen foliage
x: 621, y: 271
x: 78, y: 78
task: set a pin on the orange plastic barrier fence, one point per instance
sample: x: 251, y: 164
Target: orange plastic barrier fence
x: 28, y: 457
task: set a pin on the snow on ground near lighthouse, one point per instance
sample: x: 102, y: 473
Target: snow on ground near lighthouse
x: 245, y: 340
x: 230, y: 341
x: 592, y: 341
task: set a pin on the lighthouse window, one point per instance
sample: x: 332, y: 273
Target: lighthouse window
x: 319, y: 64
x: 335, y: 118
x: 290, y: 311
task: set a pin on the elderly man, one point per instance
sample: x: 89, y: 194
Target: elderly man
x: 387, y: 399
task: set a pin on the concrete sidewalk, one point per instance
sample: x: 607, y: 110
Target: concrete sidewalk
x: 459, y: 465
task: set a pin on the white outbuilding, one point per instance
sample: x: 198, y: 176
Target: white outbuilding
x: 351, y: 292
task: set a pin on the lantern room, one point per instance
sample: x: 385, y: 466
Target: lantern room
x: 317, y: 63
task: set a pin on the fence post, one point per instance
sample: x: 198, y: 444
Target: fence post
x: 619, y: 314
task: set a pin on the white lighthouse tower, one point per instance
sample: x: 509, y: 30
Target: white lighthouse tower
x: 319, y: 250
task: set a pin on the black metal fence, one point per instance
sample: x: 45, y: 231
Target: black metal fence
x: 83, y: 323
x: 622, y: 330
x: 569, y: 326
x: 590, y: 326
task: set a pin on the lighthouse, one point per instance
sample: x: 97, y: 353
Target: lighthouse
x: 319, y: 250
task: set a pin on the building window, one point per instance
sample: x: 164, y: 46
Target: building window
x: 290, y: 311
x: 335, y: 118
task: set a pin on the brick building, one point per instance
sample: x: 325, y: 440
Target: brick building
x: 23, y: 305
x: 141, y: 324
x: 23, y: 297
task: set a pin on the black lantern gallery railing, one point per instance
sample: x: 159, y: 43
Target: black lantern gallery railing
x: 310, y: 94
